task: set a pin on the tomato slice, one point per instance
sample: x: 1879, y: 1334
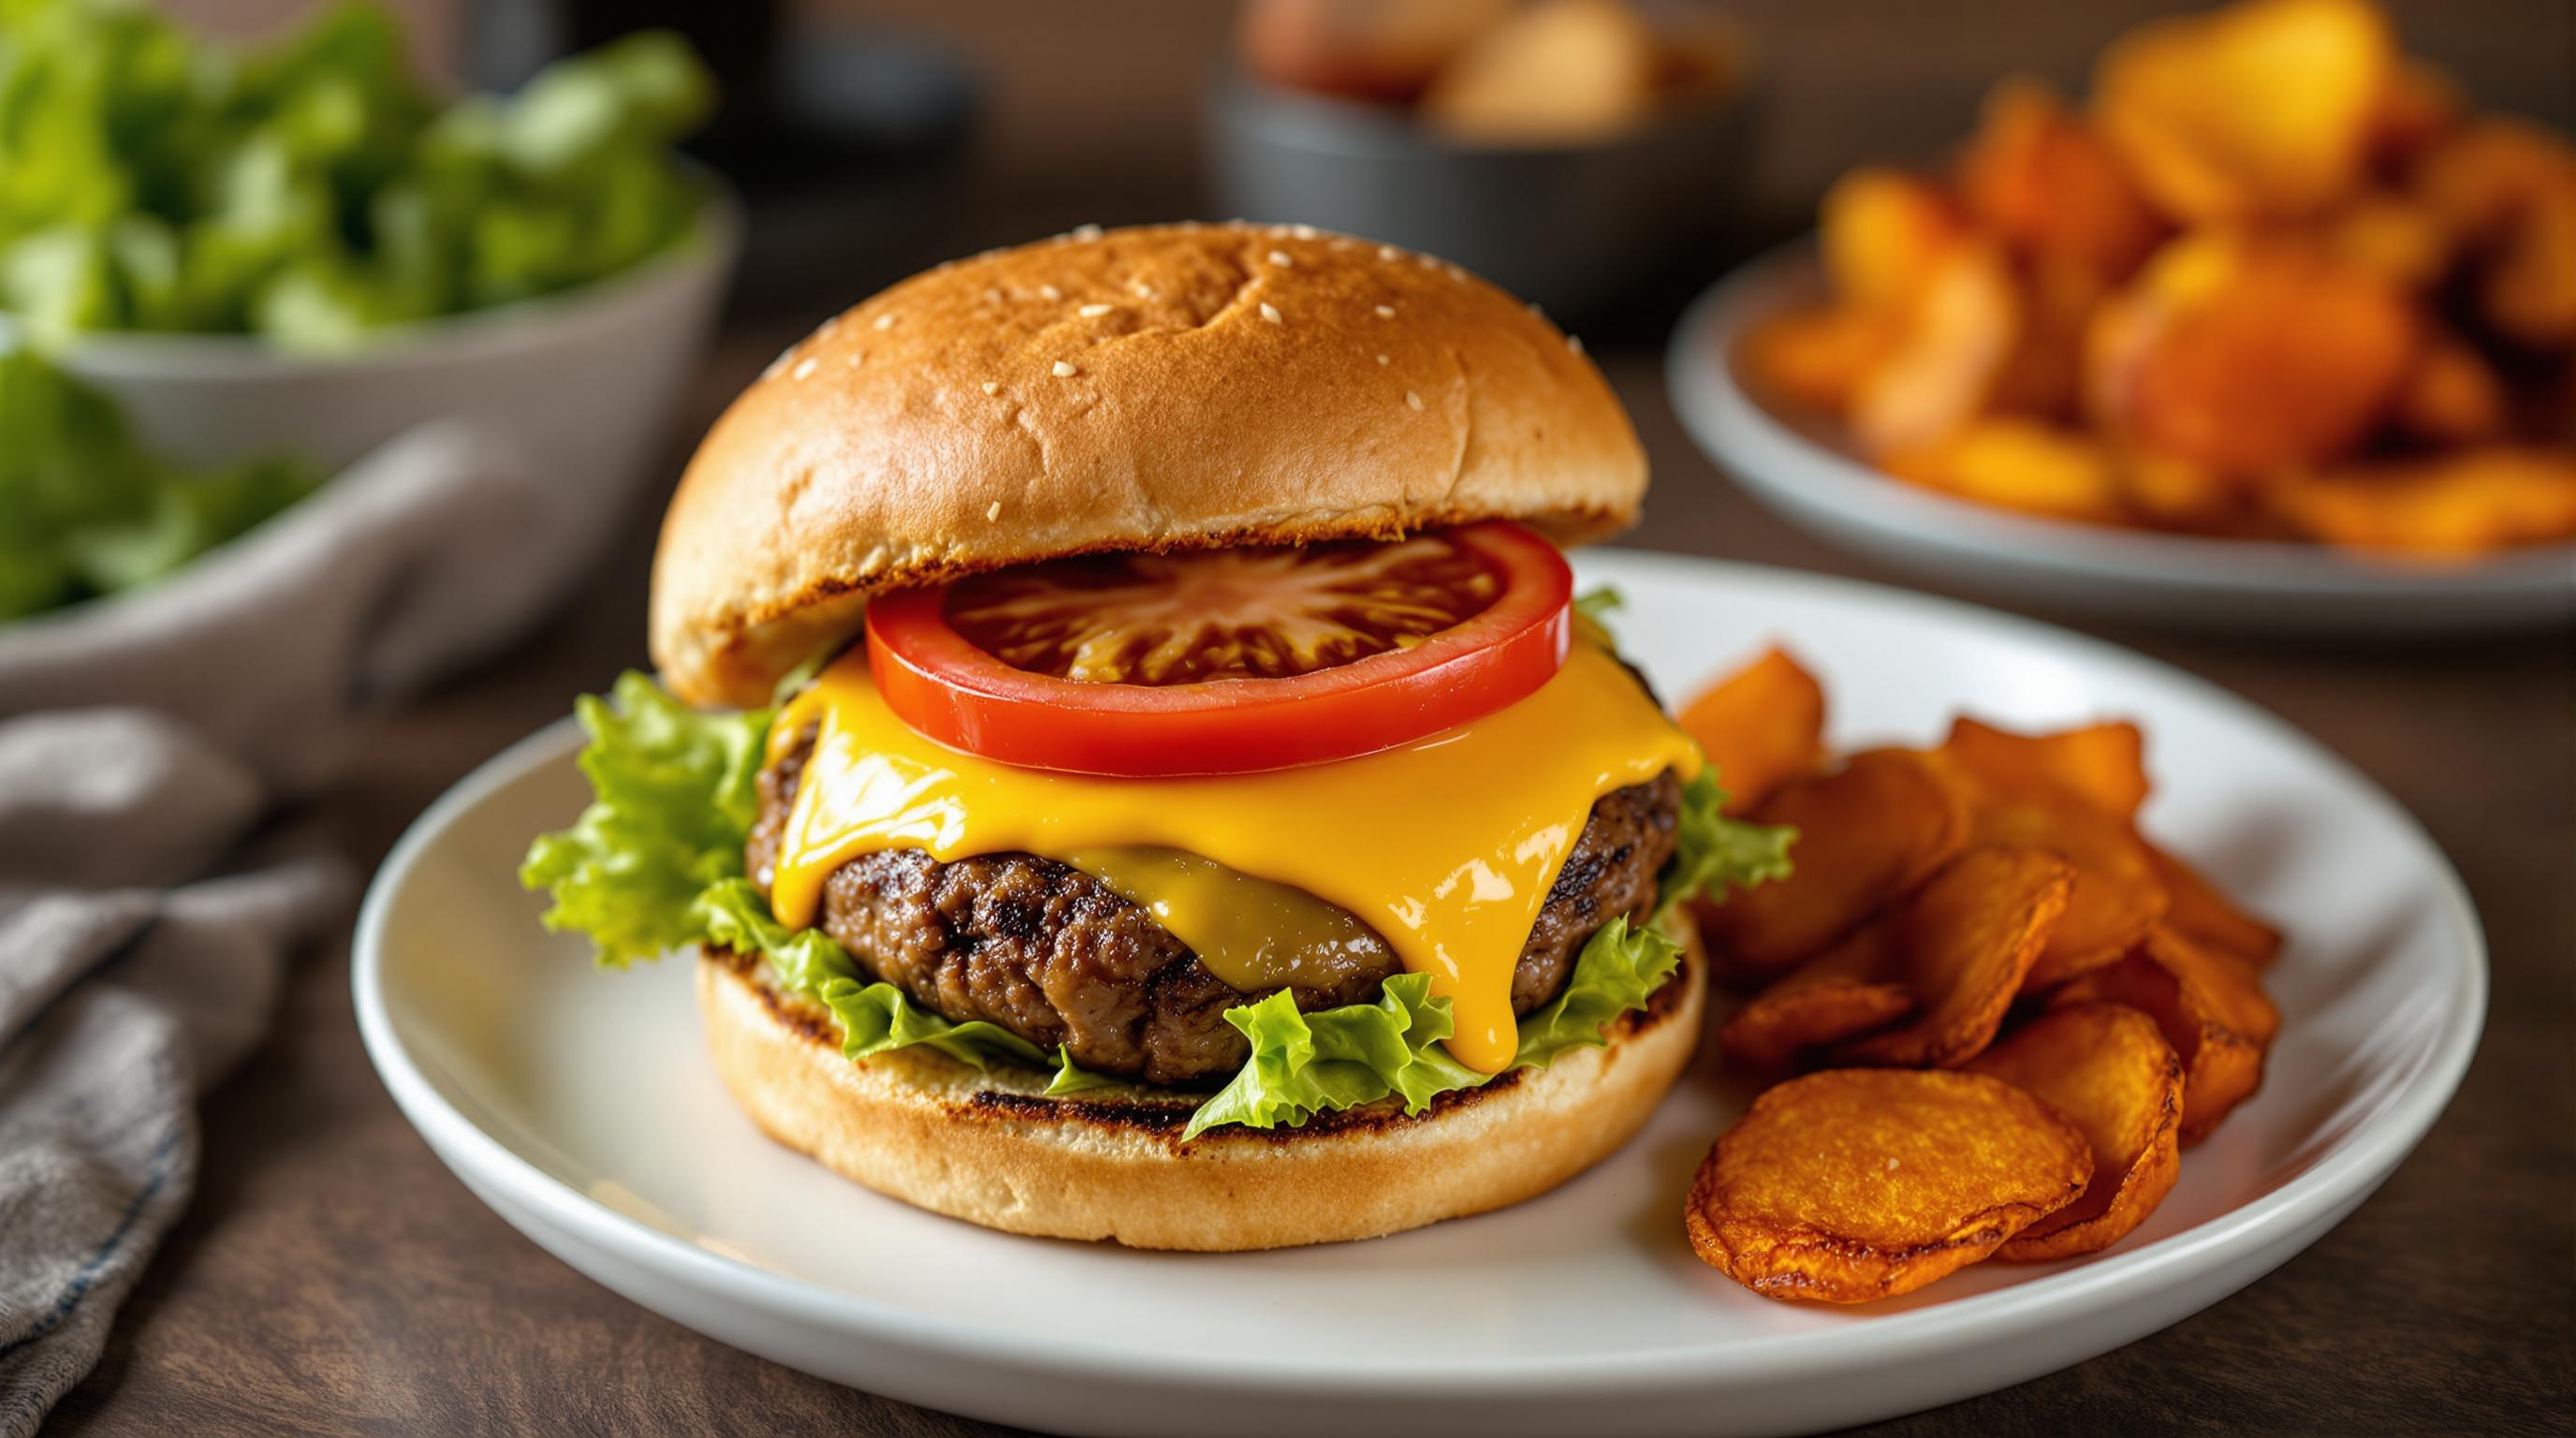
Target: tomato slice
x: 1226, y: 661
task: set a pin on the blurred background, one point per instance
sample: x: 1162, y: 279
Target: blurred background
x: 1099, y: 112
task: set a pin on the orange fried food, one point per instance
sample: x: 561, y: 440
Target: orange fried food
x: 2249, y: 357
x: 1368, y: 49
x: 2107, y: 1069
x: 2261, y: 109
x: 1882, y: 232
x: 1848, y: 990
x: 1556, y: 72
x: 2212, y: 1010
x: 2417, y: 105
x: 1760, y: 726
x: 2117, y: 896
x: 1953, y: 346
x: 1965, y: 941
x: 2105, y: 763
x: 2394, y: 236
x: 2018, y: 464
x: 2178, y: 494
x: 1860, y: 1184
x: 2455, y: 505
x: 2200, y: 913
x: 1867, y: 832
x: 1815, y: 358
x: 2453, y: 397
x: 2507, y: 192
x: 2529, y: 290
x: 2036, y: 175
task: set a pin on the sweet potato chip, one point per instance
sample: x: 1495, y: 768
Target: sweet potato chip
x: 2465, y: 503
x: 2043, y: 375
x: 1881, y: 233
x: 1848, y: 990
x: 2107, y: 1069
x: 2417, y: 106
x: 2262, y: 109
x: 1760, y: 726
x: 2248, y: 356
x: 2105, y: 763
x: 1815, y: 358
x: 2018, y: 464
x: 2037, y: 176
x: 2199, y: 912
x: 1958, y: 334
x: 1964, y: 941
x: 1860, y: 1184
x: 1867, y: 832
x: 2528, y: 293
x: 2453, y: 397
x: 2482, y: 177
x: 2179, y: 494
x: 2116, y: 897
x: 2212, y: 1010
x: 1555, y: 73
x: 2394, y: 236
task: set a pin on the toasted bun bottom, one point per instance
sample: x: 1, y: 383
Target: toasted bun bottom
x: 990, y: 1148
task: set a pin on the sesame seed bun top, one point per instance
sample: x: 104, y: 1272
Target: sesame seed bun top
x: 1173, y: 387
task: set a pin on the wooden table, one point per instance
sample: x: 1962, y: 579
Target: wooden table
x: 331, y: 1275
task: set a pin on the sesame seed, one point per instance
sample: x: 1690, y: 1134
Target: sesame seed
x: 993, y: 510
x: 1389, y: 252
x: 803, y: 368
x: 824, y: 330
x: 1574, y: 343
x: 1050, y: 292
x: 1280, y: 258
x: 858, y: 358
x: 1426, y: 261
x: 1303, y: 232
x: 1412, y: 400
x: 1386, y: 312
x: 1535, y: 312
x: 1381, y: 359
x: 1143, y: 290
x: 1279, y: 232
x: 1093, y: 312
x: 1086, y: 232
x: 1456, y: 273
x: 1342, y: 243
x: 992, y: 386
x: 1064, y: 369
x: 885, y: 322
x: 772, y: 369
x: 1270, y: 312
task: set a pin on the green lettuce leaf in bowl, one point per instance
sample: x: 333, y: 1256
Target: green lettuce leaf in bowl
x: 86, y: 511
x: 311, y: 191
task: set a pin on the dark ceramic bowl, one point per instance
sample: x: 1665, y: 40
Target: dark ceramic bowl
x: 1572, y: 227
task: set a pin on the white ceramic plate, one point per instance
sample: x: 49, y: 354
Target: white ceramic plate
x: 581, y: 1106
x: 1796, y: 469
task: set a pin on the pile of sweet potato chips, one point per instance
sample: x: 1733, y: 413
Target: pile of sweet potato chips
x: 2007, y: 1010
x: 2275, y: 281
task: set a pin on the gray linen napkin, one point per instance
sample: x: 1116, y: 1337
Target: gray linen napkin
x: 148, y: 897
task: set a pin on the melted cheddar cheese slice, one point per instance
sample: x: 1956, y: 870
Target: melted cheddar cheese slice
x: 1445, y: 846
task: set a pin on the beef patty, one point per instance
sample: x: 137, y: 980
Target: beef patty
x: 1049, y: 953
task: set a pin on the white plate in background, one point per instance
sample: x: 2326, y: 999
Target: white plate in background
x: 580, y: 1104
x: 1795, y: 469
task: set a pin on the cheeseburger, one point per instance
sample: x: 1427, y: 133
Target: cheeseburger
x: 1129, y: 762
